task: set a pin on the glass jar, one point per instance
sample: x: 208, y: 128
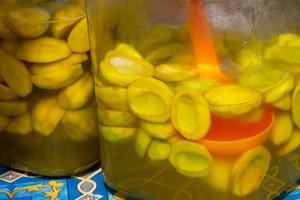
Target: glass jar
x: 197, y: 100
x: 48, y: 115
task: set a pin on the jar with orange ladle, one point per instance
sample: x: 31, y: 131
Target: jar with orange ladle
x: 197, y: 99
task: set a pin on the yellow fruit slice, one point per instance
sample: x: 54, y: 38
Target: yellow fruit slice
x: 190, y: 115
x: 46, y: 114
x: 78, y: 94
x: 186, y: 58
x: 5, y: 32
x: 190, y: 159
x: 78, y: 39
x: 253, y: 116
x: 65, y: 18
x: 7, y: 94
x: 158, y: 130
x: 149, y: 99
x: 3, y: 122
x: 158, y: 35
x: 296, y: 106
x: 232, y: 100
x: 81, y: 125
x: 20, y: 125
x: 13, y: 108
x: 142, y: 142
x: 73, y: 59
x: 284, y: 103
x: 29, y: 22
x: 116, y: 134
x: 109, y: 117
x: 158, y: 150
x: 58, y: 79
x: 219, y: 175
x: 291, y: 145
x: 112, y: 97
x: 15, y: 74
x: 172, y: 72
x: 123, y: 65
x: 282, y: 128
x: 43, y: 50
x: 249, y: 171
x: 199, y: 85
x: 249, y: 57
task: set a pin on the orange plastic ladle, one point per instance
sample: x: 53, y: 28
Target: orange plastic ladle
x: 203, y: 44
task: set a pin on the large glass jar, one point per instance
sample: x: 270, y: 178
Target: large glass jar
x: 197, y: 100
x: 47, y: 112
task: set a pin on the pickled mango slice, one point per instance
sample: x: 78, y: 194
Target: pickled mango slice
x: 109, y: 117
x: 5, y: 32
x: 262, y: 79
x: 158, y: 35
x: 78, y: 39
x: 252, y: 116
x: 190, y: 159
x: 185, y: 58
x: 249, y: 171
x: 199, y: 85
x: 73, y: 59
x: 172, y: 72
x: 296, y: 106
x: 15, y: 74
x: 3, y: 122
x: 232, y: 100
x: 116, y: 134
x: 78, y: 94
x: 219, y: 176
x: 113, y: 97
x: 291, y: 145
x: 282, y: 128
x: 20, y: 125
x: 158, y: 130
x: 286, y: 49
x: 43, y: 50
x: 13, y: 108
x: 46, y: 114
x: 65, y: 18
x: 190, y: 115
x: 123, y: 65
x: 149, y: 99
x: 10, y: 46
x: 284, y: 103
x: 142, y: 142
x: 58, y: 79
x: 158, y: 150
x: 80, y: 125
x: 7, y: 94
x: 249, y: 57
x: 165, y: 53
x: 29, y: 22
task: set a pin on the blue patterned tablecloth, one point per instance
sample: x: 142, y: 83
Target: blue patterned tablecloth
x: 89, y: 186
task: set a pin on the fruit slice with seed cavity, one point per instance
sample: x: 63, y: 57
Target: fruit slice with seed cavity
x: 142, y: 142
x: 116, y: 134
x: 158, y: 130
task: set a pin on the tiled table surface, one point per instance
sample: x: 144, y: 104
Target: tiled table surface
x: 89, y: 186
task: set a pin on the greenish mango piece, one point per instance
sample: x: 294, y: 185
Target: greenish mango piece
x: 290, y: 146
x: 13, y: 108
x: 116, y: 134
x: 199, y: 85
x: 173, y: 72
x: 249, y: 57
x: 232, y: 100
x: 158, y: 35
x: 4, y: 121
x: 122, y: 65
x: 190, y: 159
x: 20, y: 125
x: 110, y: 117
x: 112, y: 97
x: 158, y: 150
x: 142, y: 142
x: 282, y: 129
x: 284, y: 103
x: 286, y: 49
x: 158, y: 130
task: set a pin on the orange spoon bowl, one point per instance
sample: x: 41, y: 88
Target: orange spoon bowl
x: 231, y: 137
